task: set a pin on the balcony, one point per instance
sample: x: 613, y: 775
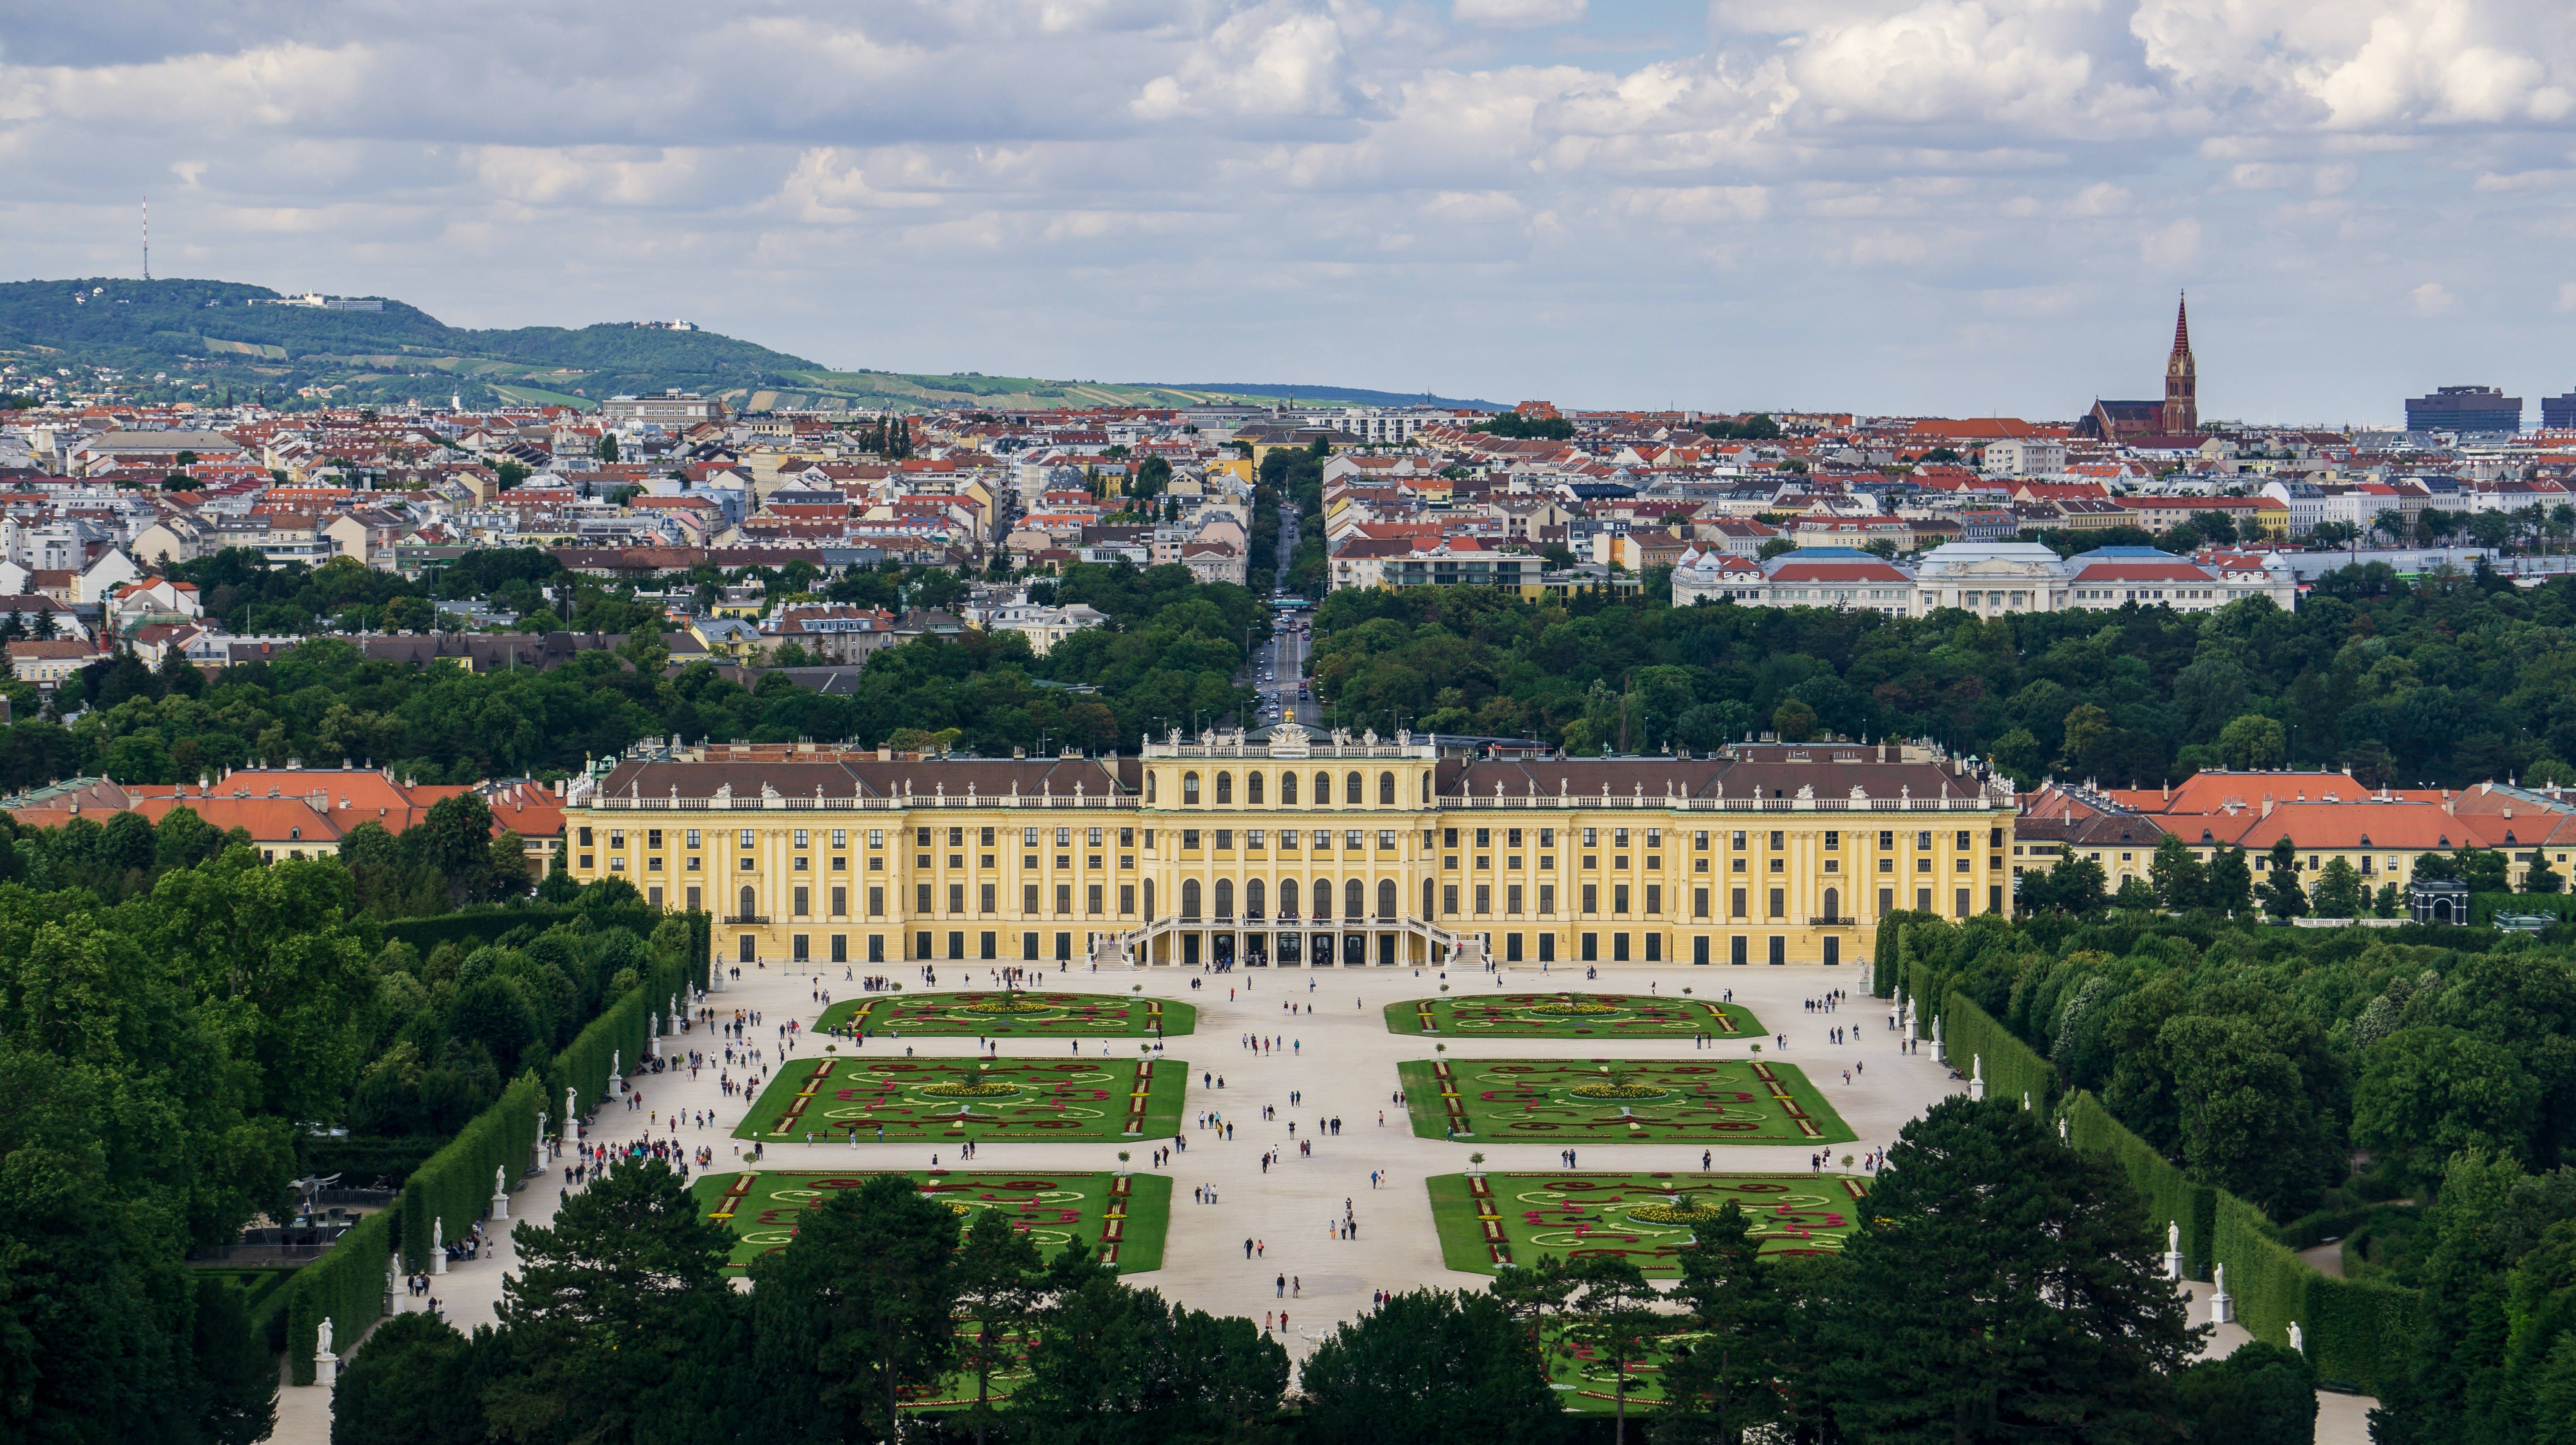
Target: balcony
x: 745, y: 920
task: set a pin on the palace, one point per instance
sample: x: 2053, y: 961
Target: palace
x: 1292, y: 849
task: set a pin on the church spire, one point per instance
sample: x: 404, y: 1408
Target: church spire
x: 2182, y: 378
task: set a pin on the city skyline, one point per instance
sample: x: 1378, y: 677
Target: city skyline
x: 1936, y: 208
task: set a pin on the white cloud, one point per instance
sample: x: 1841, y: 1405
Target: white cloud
x: 2432, y: 299
x: 1044, y: 184
x: 1517, y: 14
x: 2171, y: 247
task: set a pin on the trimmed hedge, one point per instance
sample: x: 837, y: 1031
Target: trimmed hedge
x: 2483, y: 907
x: 2170, y: 1197
x: 347, y: 1285
x: 454, y: 1187
x: 1888, y: 953
x: 473, y: 929
x: 2012, y: 1068
x: 363, y: 1159
x: 618, y: 1034
x: 2355, y: 1333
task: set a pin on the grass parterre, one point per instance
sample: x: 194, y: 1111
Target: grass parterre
x: 891, y: 1100
x: 1572, y: 1015
x: 1619, y: 1101
x: 1487, y: 1221
x: 1121, y: 1218
x: 1017, y: 1012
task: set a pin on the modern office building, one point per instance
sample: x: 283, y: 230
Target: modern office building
x: 1295, y: 849
x: 2464, y: 409
x: 2558, y: 413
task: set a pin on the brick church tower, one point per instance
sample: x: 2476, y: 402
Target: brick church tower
x: 2182, y: 379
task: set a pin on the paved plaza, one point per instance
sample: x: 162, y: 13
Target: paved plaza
x: 1327, y: 1055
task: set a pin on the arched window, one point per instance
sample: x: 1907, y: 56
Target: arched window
x: 1323, y: 901
x: 1386, y: 898
x: 1833, y: 903
x: 1252, y: 789
x: 1189, y: 900
x: 1386, y: 789
x: 1426, y: 790
x: 1149, y: 900
x: 1288, y: 899
x: 1323, y: 789
x: 1225, y: 898
x: 1189, y: 790
x: 1252, y: 897
x: 1351, y: 789
x: 747, y: 909
x: 1426, y: 898
x: 1354, y: 901
x: 1287, y: 790
x: 1149, y: 787
x: 1224, y: 788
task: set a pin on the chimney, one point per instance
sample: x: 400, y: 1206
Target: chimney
x: 2267, y: 805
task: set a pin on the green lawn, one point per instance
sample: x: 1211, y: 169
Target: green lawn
x: 1021, y: 1013
x: 1572, y: 1015
x: 1498, y: 1219
x: 1051, y: 1207
x: 1619, y: 1101
x: 955, y: 1101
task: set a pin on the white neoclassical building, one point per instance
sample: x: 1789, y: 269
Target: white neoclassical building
x: 1992, y: 578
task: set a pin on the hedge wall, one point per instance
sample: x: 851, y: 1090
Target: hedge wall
x: 474, y: 929
x: 2169, y: 1196
x: 347, y: 1285
x: 1888, y: 954
x: 2012, y: 1068
x: 2356, y: 1334
x: 455, y: 1186
x: 2483, y: 907
x: 620, y: 1032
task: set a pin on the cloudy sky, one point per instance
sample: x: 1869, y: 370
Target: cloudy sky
x: 1960, y: 206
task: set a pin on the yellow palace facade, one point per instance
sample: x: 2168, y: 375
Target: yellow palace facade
x: 1298, y: 850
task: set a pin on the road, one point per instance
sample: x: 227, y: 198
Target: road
x: 1280, y: 666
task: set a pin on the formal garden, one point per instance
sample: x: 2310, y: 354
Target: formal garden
x: 842, y: 1099
x: 1121, y: 1217
x: 1488, y: 1221
x: 1573, y: 1015
x: 1017, y: 1013
x: 1619, y: 1101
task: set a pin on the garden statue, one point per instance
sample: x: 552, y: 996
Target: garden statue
x: 2221, y: 1308
x: 326, y: 1364
x: 2173, y: 1251
x: 1977, y: 1077
x: 2298, y: 1342
x: 438, y: 1246
x: 500, y: 1192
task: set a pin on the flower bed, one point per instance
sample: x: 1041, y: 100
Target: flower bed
x: 984, y: 1014
x: 1610, y: 1101
x: 1573, y: 1015
x: 913, y: 1101
x: 1490, y: 1220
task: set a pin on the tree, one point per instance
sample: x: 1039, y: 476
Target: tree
x: 2541, y: 878
x: 2181, y: 882
x: 607, y: 449
x: 2075, y: 884
x: 1613, y: 1312
x: 2339, y: 890
x: 2262, y: 1394
x: 1794, y: 721
x: 1430, y: 1367
x: 1113, y: 1365
x: 608, y: 1301
x: 2002, y: 1287
x: 1773, y: 547
x: 858, y: 1306
x: 996, y: 1280
x: 2282, y: 895
x: 2428, y: 1093
x: 236, y: 1378
x: 415, y: 1381
x: 1727, y: 1379
x: 2252, y: 742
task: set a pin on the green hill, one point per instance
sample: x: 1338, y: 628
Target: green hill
x: 168, y: 337
x: 229, y: 337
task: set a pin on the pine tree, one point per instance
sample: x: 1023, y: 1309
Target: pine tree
x: 2282, y: 895
x: 2002, y: 1287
